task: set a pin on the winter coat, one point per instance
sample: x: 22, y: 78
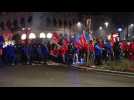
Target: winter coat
x: 45, y: 51
x: 108, y: 47
x: 98, y: 50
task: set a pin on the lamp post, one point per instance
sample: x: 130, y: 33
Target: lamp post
x: 129, y: 30
x: 79, y: 26
x: 120, y: 34
x: 106, y: 25
x: 89, y: 30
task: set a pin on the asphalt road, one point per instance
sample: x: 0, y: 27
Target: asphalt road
x: 59, y: 76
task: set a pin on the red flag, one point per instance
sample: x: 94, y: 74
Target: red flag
x: 65, y: 42
x: 83, y: 41
x: 55, y: 37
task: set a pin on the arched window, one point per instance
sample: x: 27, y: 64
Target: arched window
x: 54, y: 21
x: 65, y: 23
x: 22, y: 22
x: 73, y: 21
x: 15, y: 23
x: 70, y: 23
x: 2, y: 25
x: 60, y: 23
x: 8, y: 24
x: 29, y: 20
x: 48, y: 21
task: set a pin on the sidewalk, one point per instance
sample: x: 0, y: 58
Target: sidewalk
x: 94, y: 68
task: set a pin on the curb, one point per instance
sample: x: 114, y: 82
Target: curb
x: 102, y: 70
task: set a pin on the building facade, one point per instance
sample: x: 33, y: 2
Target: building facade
x: 61, y: 22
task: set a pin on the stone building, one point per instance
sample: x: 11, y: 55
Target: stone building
x: 61, y: 22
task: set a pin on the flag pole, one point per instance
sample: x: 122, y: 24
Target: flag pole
x: 88, y: 30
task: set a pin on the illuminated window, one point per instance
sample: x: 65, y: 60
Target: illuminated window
x: 42, y: 35
x: 32, y: 36
x: 23, y: 36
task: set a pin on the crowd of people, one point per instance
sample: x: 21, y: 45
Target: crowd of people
x: 97, y: 52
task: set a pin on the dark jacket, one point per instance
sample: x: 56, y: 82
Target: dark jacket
x: 98, y: 50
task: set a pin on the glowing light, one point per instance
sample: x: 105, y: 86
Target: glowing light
x: 32, y: 36
x: 131, y: 25
x: 79, y: 24
x: 100, y: 28
x: 106, y: 23
x: 72, y: 36
x: 12, y: 43
x: 5, y: 44
x: 23, y: 36
x: 49, y: 35
x: 119, y: 29
x: 29, y: 28
x: 23, y: 29
x: 42, y: 35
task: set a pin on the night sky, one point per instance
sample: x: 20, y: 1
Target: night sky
x: 117, y: 17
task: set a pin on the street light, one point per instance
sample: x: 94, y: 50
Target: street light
x: 106, y: 24
x: 119, y: 29
x: 49, y: 35
x: 100, y: 28
x: 79, y: 24
x: 131, y: 25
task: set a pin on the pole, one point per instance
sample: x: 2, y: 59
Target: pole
x: 89, y: 29
x: 127, y: 32
x: 64, y: 23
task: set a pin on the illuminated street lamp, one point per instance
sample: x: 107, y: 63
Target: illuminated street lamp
x: 120, y: 33
x: 79, y: 24
x: 131, y: 25
x: 100, y: 28
x: 119, y: 29
x: 106, y: 24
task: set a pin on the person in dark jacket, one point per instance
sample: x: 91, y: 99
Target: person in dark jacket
x: 45, y: 53
x: 27, y: 50
x: 10, y: 55
x: 109, y: 50
x: 117, y: 50
x: 70, y: 53
x: 39, y: 53
x: 98, y: 54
